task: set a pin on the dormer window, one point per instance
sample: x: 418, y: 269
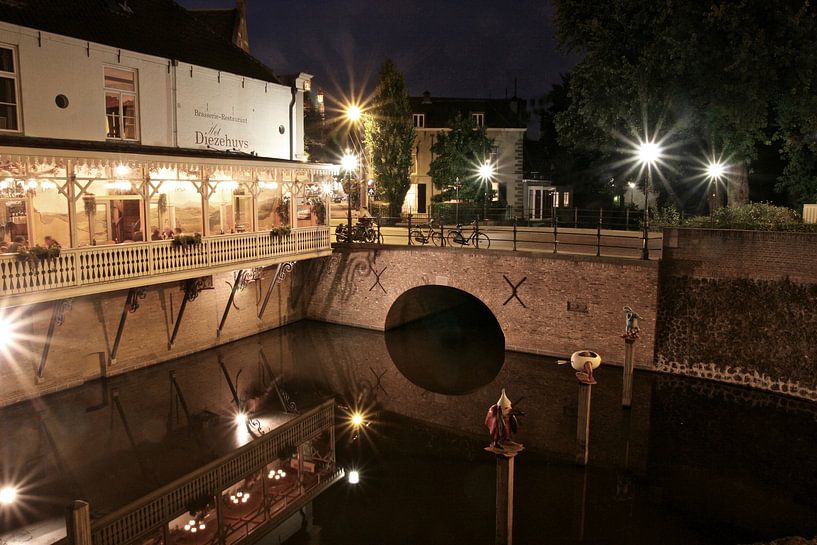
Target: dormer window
x: 419, y: 120
x: 478, y: 118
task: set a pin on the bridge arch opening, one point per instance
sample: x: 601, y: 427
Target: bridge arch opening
x: 444, y: 340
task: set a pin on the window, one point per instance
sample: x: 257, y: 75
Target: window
x: 566, y: 198
x: 555, y: 196
x: 419, y: 120
x: 121, y: 106
x: 479, y: 118
x: 9, y: 112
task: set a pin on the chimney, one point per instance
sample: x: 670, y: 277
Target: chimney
x: 240, y: 36
x: 426, y: 97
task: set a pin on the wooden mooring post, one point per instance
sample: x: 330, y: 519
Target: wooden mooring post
x: 504, y: 500
x: 627, y: 386
x: 583, y: 424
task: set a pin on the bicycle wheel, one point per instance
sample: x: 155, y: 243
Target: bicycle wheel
x: 483, y: 240
x: 340, y: 235
x: 455, y: 239
x: 417, y: 237
x: 371, y: 235
x: 437, y: 238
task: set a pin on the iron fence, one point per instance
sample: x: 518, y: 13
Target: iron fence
x: 602, y: 239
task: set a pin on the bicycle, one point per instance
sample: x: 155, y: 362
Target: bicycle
x: 362, y: 231
x: 426, y: 233
x: 478, y: 239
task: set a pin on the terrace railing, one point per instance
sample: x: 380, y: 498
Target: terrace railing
x: 156, y: 510
x: 98, y: 265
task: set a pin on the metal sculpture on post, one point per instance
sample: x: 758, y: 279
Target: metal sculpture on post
x: 584, y: 362
x: 502, y: 424
x: 631, y: 333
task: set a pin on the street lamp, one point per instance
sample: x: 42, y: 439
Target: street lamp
x: 354, y: 114
x: 715, y: 172
x: 631, y: 185
x: 457, y: 206
x: 486, y: 173
x: 648, y: 154
x: 349, y: 163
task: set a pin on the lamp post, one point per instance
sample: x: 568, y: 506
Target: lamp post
x: 648, y: 154
x: 715, y: 171
x: 486, y: 173
x: 457, y: 206
x: 348, y: 162
x: 631, y: 185
x: 354, y: 114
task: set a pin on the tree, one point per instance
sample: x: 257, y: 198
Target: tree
x: 722, y: 76
x: 458, y: 153
x: 389, y: 137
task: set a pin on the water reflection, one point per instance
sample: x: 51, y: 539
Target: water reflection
x: 444, y: 339
x: 691, y: 462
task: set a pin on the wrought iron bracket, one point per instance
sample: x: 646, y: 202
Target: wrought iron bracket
x: 57, y: 319
x: 191, y: 288
x: 280, y: 274
x: 131, y: 306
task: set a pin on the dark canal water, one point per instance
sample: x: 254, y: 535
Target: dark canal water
x: 692, y: 462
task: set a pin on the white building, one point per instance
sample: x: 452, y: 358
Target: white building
x: 503, y: 123
x: 122, y: 119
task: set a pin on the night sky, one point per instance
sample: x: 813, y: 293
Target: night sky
x: 467, y: 48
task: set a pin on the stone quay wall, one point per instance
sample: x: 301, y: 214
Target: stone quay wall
x: 81, y: 346
x: 565, y: 303
x: 739, y: 307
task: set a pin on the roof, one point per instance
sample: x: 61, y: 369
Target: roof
x: 500, y: 113
x: 155, y: 27
x: 19, y: 141
x: 220, y: 21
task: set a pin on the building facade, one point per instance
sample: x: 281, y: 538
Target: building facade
x: 504, y: 124
x: 112, y: 132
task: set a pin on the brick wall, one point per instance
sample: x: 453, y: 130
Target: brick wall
x: 80, y: 347
x: 738, y: 307
x: 571, y: 302
x: 725, y: 253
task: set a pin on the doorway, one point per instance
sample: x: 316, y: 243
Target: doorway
x: 536, y: 203
x: 421, y: 198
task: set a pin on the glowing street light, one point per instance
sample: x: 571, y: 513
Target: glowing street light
x: 715, y: 172
x: 241, y: 419
x: 353, y: 113
x: 8, y: 495
x: 357, y: 420
x: 486, y: 173
x: 648, y: 154
x: 354, y: 477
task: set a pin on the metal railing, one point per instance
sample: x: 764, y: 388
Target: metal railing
x: 110, y: 263
x: 159, y: 508
x: 624, y: 218
x: 555, y: 238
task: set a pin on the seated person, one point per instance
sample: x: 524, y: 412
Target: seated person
x: 155, y: 235
x: 18, y: 245
x: 50, y: 242
x: 138, y: 236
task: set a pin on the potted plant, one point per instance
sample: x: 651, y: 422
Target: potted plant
x: 183, y: 241
x: 280, y: 231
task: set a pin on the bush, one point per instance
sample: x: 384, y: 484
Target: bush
x: 758, y: 216
x: 666, y: 216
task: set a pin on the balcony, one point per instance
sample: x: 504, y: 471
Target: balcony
x: 95, y: 269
